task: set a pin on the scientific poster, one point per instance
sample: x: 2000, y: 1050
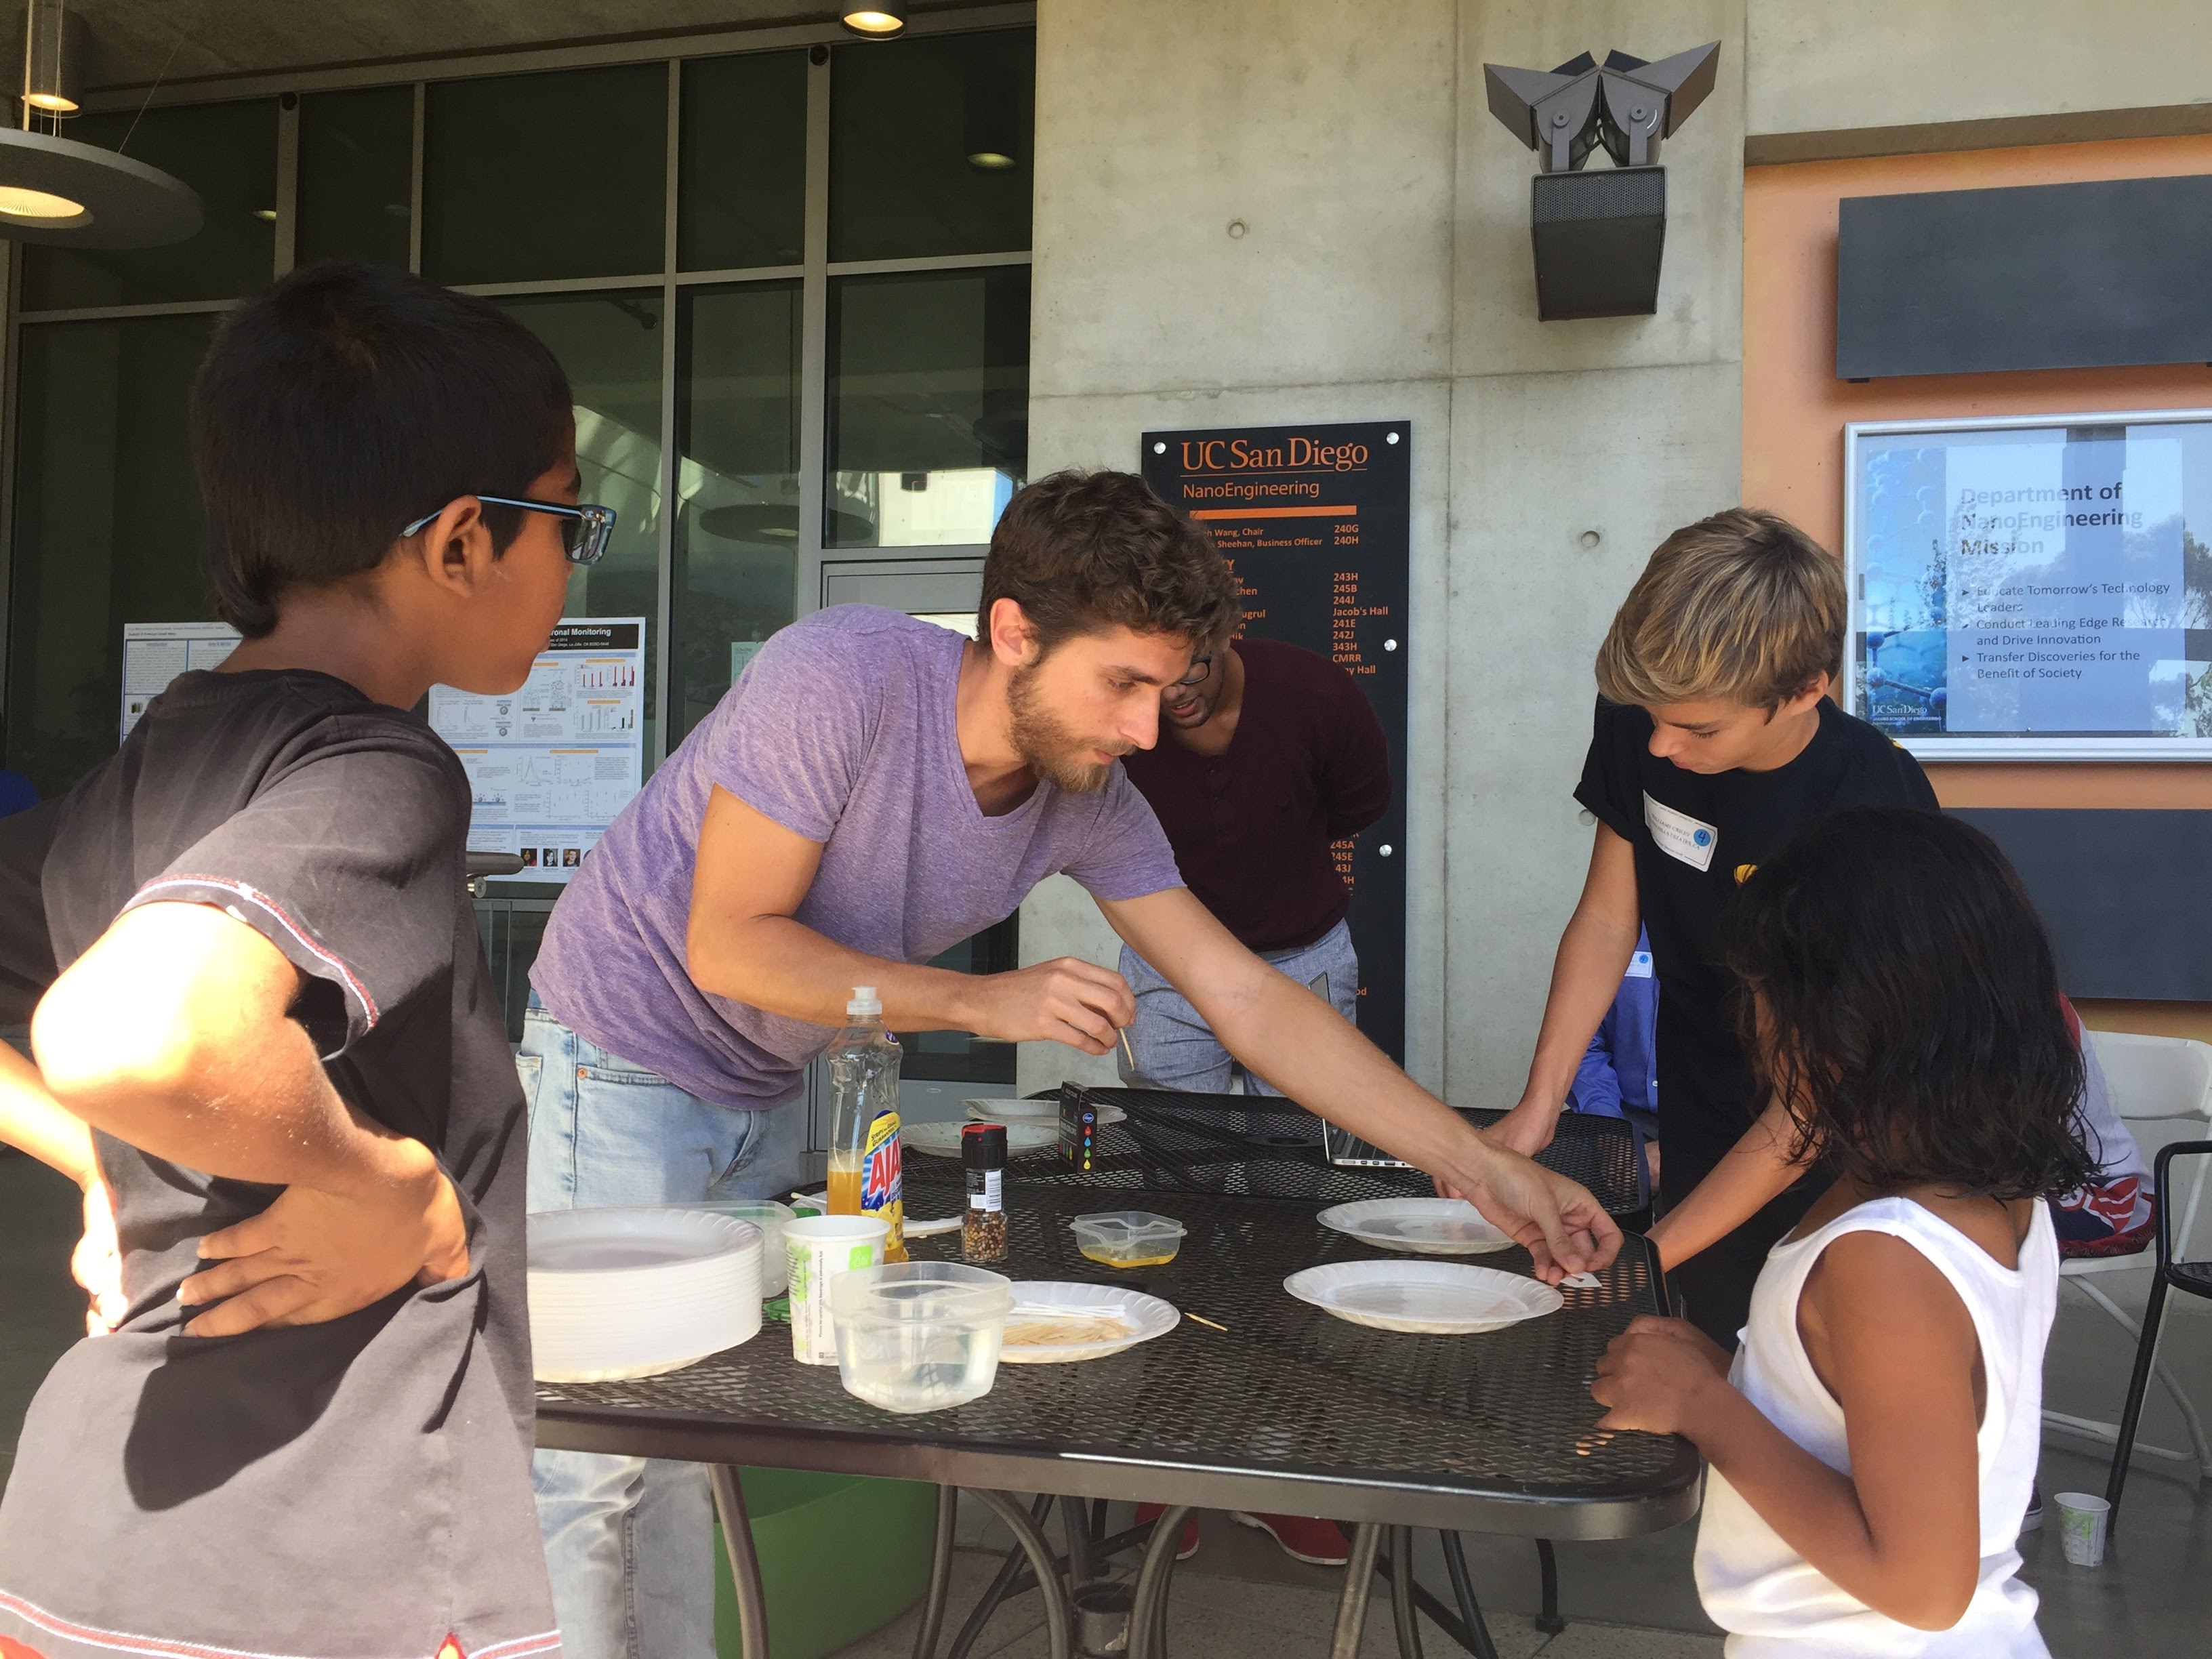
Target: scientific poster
x: 550, y: 765
x: 153, y: 654
x: 2033, y: 588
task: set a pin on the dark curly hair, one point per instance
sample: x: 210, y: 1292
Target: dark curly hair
x: 1081, y: 552
x: 1900, y: 998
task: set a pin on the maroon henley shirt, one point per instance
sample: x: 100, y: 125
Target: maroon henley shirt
x: 1251, y: 827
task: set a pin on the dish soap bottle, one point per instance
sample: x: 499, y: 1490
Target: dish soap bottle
x: 864, y: 1126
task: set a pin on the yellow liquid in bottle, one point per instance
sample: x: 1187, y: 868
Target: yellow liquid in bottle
x: 844, y: 1188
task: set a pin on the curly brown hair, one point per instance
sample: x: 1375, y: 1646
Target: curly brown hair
x: 1081, y: 552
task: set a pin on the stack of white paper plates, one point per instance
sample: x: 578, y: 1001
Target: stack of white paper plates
x: 1031, y: 1111
x: 1055, y: 1322
x: 1427, y: 1226
x: 634, y: 1292
x: 942, y: 1139
x: 1429, y: 1298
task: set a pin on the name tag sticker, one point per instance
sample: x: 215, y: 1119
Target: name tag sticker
x: 1679, y: 835
x: 1639, y: 965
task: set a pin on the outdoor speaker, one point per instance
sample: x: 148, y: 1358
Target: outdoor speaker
x: 1599, y: 236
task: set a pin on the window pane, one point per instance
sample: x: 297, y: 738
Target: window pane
x: 736, y: 533
x: 929, y: 387
x: 228, y: 153
x: 357, y: 158
x: 610, y: 344
x: 741, y: 183
x: 108, y: 528
x: 929, y: 146
x: 539, y: 178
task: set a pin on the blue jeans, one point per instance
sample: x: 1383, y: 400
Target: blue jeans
x: 629, y: 1540
x: 1175, y: 1047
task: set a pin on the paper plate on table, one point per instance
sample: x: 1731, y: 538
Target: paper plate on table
x: 942, y: 1139
x: 618, y: 1293
x: 1056, y: 1322
x: 1427, y: 1298
x: 1010, y: 1112
x: 1426, y: 1226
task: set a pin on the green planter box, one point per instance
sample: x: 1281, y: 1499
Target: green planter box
x: 839, y: 1557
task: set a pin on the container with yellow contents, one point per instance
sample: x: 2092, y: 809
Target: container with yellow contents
x: 1129, y: 1238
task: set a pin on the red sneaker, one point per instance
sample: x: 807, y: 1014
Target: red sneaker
x: 1187, y: 1546
x: 1317, y: 1543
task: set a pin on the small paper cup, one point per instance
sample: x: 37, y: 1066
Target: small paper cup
x: 815, y: 1249
x: 2083, y: 1519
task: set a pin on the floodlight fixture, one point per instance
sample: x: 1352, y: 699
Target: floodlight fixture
x: 1599, y: 237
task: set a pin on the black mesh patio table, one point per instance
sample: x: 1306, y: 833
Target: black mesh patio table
x: 1285, y: 1410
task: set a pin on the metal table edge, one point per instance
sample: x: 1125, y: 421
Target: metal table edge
x: 642, y: 1432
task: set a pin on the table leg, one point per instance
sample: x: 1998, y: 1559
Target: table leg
x: 1059, y: 1622
x: 1148, y: 1615
x: 1401, y: 1593
x: 940, y: 1574
x: 745, y: 1564
x: 1470, y: 1610
x: 1082, y: 1562
x: 1358, y: 1578
x: 1001, y: 1586
x: 1548, y: 1568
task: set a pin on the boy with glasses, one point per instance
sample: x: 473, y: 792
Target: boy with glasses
x: 263, y: 1018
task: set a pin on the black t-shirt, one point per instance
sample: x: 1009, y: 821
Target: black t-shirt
x: 353, y: 1488
x: 1696, y: 837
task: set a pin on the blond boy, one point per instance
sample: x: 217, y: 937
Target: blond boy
x: 1716, y: 740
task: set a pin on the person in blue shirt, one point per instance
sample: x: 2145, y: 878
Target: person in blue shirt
x: 1620, y: 1073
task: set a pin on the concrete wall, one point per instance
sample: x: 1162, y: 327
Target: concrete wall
x: 1880, y: 76
x: 1385, y: 273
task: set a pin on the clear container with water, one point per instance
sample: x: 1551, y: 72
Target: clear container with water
x: 919, y: 1336
x: 866, y: 1175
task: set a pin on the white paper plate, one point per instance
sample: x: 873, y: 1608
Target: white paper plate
x: 1030, y: 1111
x: 1426, y: 1226
x: 617, y: 1293
x: 1430, y: 1298
x: 1042, y: 1304
x: 942, y: 1139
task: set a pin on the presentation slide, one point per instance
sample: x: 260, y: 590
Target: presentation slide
x: 2038, y: 588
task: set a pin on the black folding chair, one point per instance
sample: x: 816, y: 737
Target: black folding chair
x: 2194, y: 1278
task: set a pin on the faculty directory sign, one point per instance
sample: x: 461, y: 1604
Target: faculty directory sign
x: 2036, y: 588
x: 1317, y: 523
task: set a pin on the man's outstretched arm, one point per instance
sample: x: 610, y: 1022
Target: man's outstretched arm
x: 1282, y: 1032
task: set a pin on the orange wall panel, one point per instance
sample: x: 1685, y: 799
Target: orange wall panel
x: 1795, y: 409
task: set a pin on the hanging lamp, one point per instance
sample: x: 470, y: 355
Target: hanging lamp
x: 56, y: 189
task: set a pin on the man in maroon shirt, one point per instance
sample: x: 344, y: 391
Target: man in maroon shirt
x: 1266, y: 754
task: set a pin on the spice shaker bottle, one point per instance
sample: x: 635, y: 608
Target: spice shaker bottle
x: 983, y: 1223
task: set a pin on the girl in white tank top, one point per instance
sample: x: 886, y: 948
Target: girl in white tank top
x: 1873, y: 1444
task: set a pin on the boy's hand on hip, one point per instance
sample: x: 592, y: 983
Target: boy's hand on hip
x: 1066, y: 1000
x: 314, y: 1255
x: 1658, y: 1375
x: 96, y: 1264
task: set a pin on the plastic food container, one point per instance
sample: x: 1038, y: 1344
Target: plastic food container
x: 769, y: 1216
x: 1129, y: 1238
x: 919, y: 1336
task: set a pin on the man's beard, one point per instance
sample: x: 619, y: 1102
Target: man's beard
x: 1047, y: 748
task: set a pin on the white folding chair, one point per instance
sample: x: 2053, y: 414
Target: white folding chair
x: 2162, y: 1089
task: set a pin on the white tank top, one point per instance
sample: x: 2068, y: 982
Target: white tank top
x: 1766, y: 1596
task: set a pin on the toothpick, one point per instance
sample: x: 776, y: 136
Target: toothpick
x: 1202, y: 1320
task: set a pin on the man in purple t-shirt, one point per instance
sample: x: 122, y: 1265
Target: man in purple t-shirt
x: 874, y: 790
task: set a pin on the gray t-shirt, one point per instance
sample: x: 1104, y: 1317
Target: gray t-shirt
x: 842, y: 729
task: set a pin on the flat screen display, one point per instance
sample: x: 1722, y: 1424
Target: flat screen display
x: 2034, y: 587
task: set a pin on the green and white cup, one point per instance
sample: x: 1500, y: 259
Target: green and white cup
x: 2082, y: 1520
x: 818, y: 1248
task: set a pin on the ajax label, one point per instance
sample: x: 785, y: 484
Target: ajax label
x: 1679, y: 835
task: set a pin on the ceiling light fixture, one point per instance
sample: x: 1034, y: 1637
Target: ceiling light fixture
x: 884, y: 20
x: 54, y: 189
x: 991, y: 160
x: 53, y: 58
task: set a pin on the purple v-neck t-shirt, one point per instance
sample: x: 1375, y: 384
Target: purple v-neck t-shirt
x: 841, y: 730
